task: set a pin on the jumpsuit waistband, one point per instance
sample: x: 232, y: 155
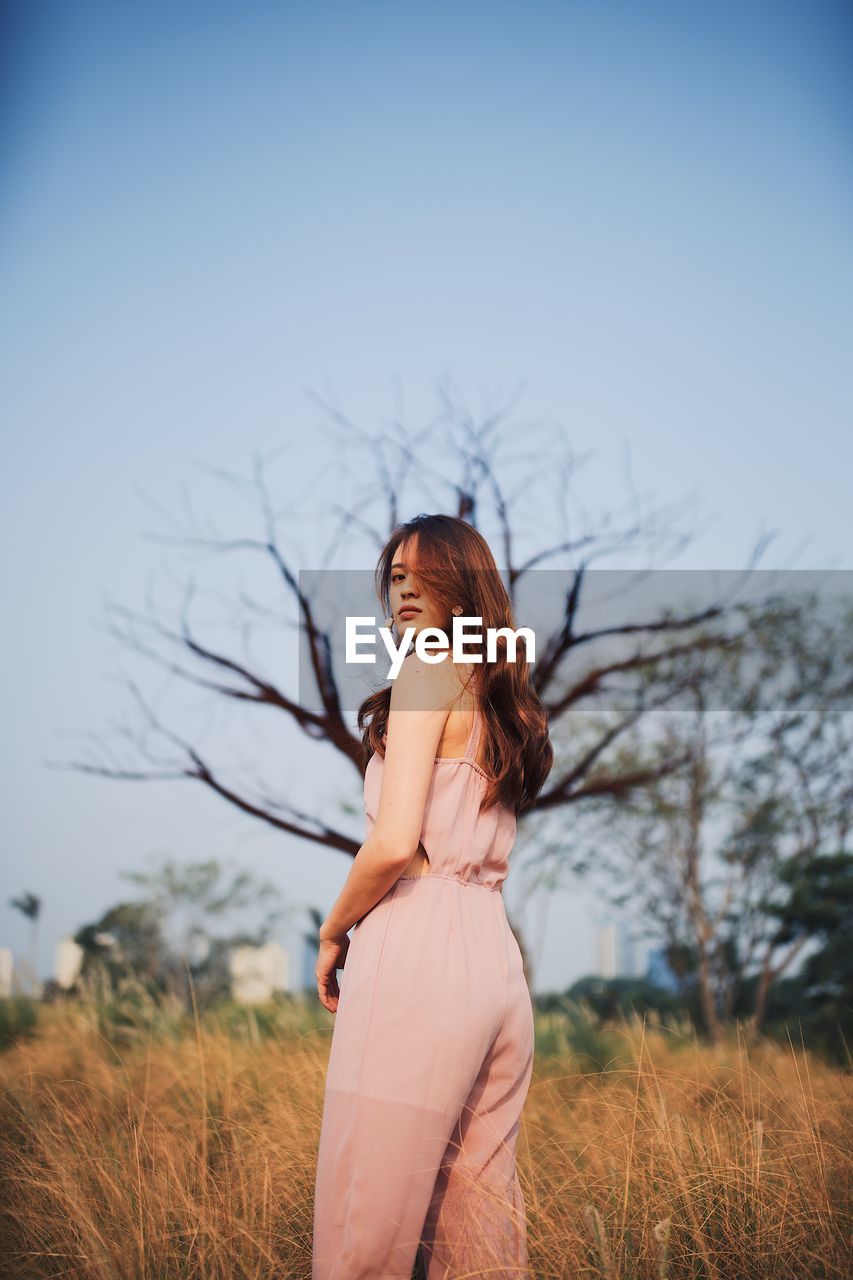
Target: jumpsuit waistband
x: 446, y: 875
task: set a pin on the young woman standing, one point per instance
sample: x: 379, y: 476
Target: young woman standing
x: 432, y: 1048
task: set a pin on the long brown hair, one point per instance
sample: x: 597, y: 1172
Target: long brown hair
x: 455, y: 565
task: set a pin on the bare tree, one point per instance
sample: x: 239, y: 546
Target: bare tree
x: 454, y: 463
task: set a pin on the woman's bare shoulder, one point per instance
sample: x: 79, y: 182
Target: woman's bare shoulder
x: 436, y: 684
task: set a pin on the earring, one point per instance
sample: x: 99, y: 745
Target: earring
x: 457, y: 609
x: 389, y: 622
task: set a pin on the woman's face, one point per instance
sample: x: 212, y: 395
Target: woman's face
x: 407, y: 594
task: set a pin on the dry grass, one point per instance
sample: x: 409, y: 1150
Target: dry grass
x: 192, y: 1155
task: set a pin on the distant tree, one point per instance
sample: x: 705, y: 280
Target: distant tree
x: 819, y: 907
x: 184, y: 927
x: 30, y: 906
x: 312, y: 936
x: 793, y: 801
x: 126, y: 937
x: 701, y: 855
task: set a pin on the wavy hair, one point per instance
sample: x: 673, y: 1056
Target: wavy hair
x: 455, y: 565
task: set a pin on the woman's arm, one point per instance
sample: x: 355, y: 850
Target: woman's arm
x: 421, y: 698
x: 371, y: 875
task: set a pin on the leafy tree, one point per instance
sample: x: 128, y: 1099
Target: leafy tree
x: 702, y: 854
x: 183, y: 927
x: 819, y: 907
x: 128, y: 936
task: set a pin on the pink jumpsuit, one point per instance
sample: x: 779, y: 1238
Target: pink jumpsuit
x: 431, y: 1058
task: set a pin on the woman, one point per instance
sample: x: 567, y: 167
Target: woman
x: 432, y: 1047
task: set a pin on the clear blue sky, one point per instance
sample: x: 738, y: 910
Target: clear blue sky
x: 210, y: 210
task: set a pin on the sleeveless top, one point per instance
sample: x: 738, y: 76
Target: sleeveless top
x: 462, y: 843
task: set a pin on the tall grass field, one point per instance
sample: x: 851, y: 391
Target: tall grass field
x: 139, y: 1142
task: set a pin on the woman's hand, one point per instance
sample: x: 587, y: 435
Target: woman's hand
x: 332, y: 956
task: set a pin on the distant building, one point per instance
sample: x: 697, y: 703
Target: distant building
x: 67, y: 962
x: 606, y: 945
x: 658, y: 971
x: 627, y: 953
x: 7, y: 968
x: 616, y: 952
x: 257, y: 972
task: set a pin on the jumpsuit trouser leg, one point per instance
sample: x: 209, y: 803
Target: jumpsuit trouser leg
x: 476, y: 1223
x: 431, y: 1050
